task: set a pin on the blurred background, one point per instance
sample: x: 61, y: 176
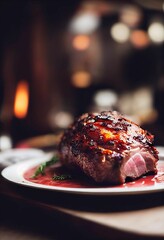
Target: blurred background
x: 59, y: 59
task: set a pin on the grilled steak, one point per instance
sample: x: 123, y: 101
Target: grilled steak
x: 108, y: 148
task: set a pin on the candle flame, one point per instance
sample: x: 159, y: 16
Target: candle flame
x: 21, y: 99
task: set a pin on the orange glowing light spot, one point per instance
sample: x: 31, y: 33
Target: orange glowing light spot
x: 103, y: 159
x: 104, y: 151
x: 139, y: 38
x: 21, y: 99
x: 81, y: 79
x: 81, y: 42
x: 107, y: 134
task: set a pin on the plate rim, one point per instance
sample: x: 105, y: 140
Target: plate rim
x: 19, y: 168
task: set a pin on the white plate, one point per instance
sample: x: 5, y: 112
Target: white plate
x: 15, y: 172
x: 14, y: 155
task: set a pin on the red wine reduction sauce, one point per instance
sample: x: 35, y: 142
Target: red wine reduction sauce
x: 81, y: 181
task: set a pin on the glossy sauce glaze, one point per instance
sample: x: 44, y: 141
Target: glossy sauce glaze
x: 81, y: 181
x: 101, y: 143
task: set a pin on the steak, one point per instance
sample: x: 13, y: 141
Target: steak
x: 108, y: 148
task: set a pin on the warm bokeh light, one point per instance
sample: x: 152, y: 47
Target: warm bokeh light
x: 138, y: 105
x: 6, y: 142
x: 84, y: 23
x: 139, y: 38
x: 81, y: 42
x: 131, y: 15
x: 21, y: 99
x: 156, y: 32
x: 105, y: 98
x: 62, y: 119
x: 81, y: 79
x: 120, y: 32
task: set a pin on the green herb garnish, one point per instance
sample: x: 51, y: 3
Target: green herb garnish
x: 62, y: 177
x: 43, y: 166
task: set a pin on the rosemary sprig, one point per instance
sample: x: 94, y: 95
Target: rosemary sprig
x: 62, y: 177
x: 43, y: 166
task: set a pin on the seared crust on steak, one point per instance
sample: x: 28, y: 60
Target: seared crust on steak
x: 108, y: 148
